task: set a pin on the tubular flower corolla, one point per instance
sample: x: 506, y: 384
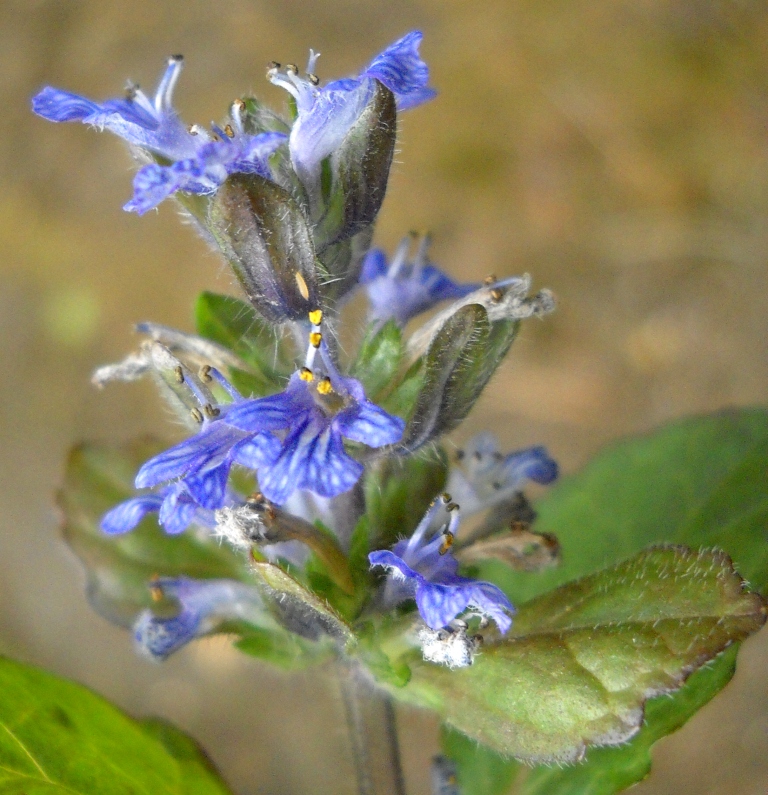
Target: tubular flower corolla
x: 400, y: 290
x: 325, y: 114
x: 204, y: 604
x: 488, y: 477
x: 423, y: 568
x: 317, y: 410
x: 202, y: 463
x: 200, y: 160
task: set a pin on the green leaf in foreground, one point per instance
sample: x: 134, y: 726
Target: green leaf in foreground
x: 58, y: 737
x: 580, y: 662
x: 605, y: 771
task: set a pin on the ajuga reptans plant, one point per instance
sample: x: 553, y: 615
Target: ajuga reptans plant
x: 311, y: 510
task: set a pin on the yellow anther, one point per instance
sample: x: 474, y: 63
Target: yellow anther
x: 273, y: 65
x: 316, y: 317
x: 239, y: 104
x: 446, y: 497
x: 205, y: 373
x: 496, y: 296
x: 178, y: 371
x: 291, y: 67
x: 447, y: 543
x: 197, y: 415
x: 315, y: 338
x: 211, y: 411
x: 229, y: 131
x: 156, y: 592
x: 301, y: 283
x: 324, y: 386
x: 490, y: 279
x: 306, y: 374
x: 314, y: 79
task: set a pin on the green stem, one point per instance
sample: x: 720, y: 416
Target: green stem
x: 372, y: 728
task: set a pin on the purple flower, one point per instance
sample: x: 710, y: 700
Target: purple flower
x: 205, y: 604
x: 201, y: 161
x: 423, y: 568
x: 401, y: 289
x: 317, y: 410
x: 202, y: 463
x: 325, y: 114
x: 176, y: 507
x: 488, y: 477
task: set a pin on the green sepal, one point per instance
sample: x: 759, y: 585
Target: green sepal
x: 356, y: 180
x: 265, y: 236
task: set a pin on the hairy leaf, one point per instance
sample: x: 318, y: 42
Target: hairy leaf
x: 580, y: 662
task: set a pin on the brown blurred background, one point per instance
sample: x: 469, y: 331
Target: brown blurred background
x: 618, y: 151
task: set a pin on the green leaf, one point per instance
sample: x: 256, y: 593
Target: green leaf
x: 399, y: 490
x: 59, y: 738
x: 379, y: 358
x: 479, y: 770
x: 580, y: 662
x: 609, y: 770
x: 605, y: 771
x: 236, y: 325
x: 119, y: 568
x: 700, y: 482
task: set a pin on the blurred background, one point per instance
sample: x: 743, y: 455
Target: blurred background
x: 618, y: 151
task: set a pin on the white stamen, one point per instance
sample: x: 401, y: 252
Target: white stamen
x: 312, y: 62
x: 164, y: 93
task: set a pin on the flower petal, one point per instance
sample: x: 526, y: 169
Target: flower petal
x: 56, y: 105
x: 261, y: 450
x: 128, y: 514
x: 201, y: 450
x: 178, y: 510
x: 369, y: 424
x: 208, y: 488
x: 403, y: 72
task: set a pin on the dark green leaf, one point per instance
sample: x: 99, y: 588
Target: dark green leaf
x: 58, y: 738
x: 479, y: 770
x: 378, y: 359
x: 266, y: 238
x: 580, y: 661
x: 236, y: 325
x: 610, y: 770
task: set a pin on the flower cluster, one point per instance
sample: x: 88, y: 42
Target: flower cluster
x: 291, y: 201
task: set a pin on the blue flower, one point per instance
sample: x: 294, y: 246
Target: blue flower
x: 423, y: 568
x: 325, y: 114
x: 488, y: 477
x: 202, y: 463
x: 317, y: 410
x: 401, y: 289
x: 176, y: 507
x: 201, y: 161
x: 205, y: 604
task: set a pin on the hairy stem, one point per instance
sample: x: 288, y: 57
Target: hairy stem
x: 372, y: 733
